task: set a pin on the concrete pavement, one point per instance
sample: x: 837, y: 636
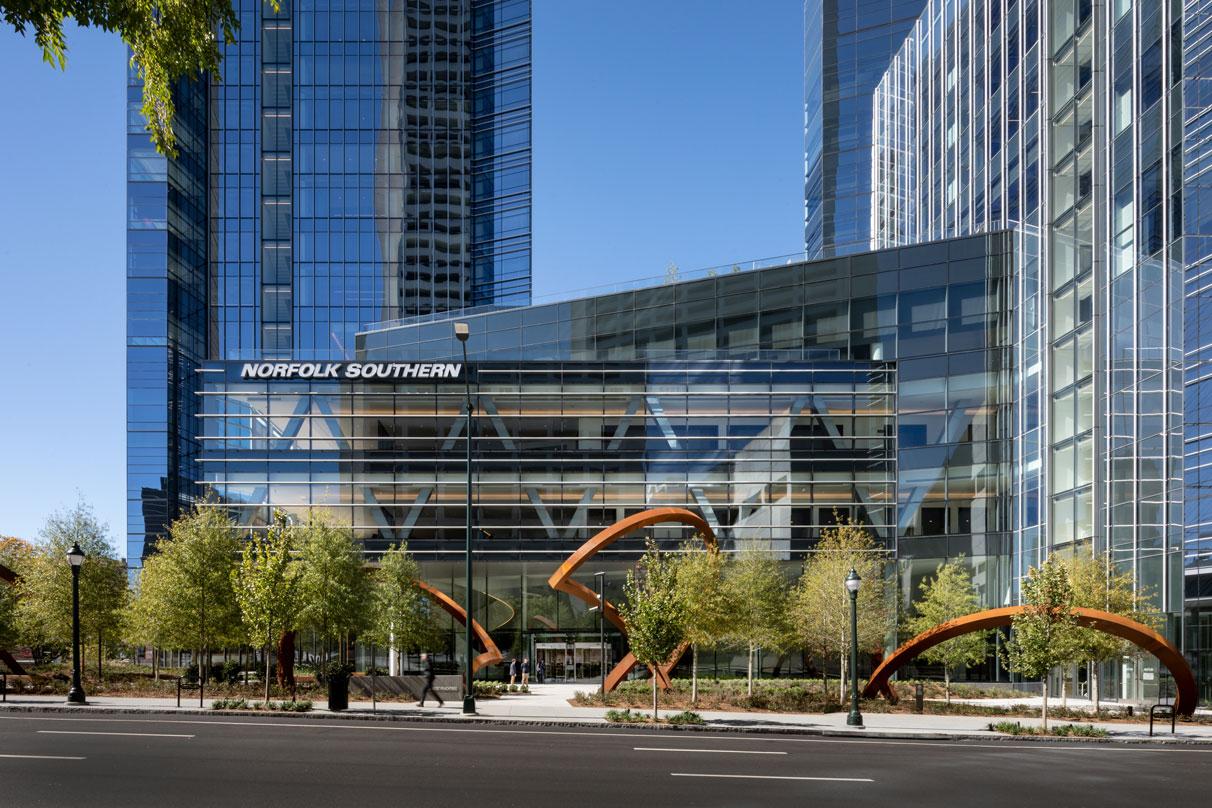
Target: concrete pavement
x: 549, y: 703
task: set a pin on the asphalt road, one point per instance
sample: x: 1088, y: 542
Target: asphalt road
x: 282, y: 761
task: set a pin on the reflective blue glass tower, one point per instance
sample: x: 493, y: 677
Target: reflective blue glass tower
x: 358, y: 162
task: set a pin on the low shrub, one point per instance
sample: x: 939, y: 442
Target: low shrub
x: 1061, y: 731
x: 272, y: 706
x: 229, y: 704
x: 686, y: 717
x: 490, y: 689
x: 230, y: 672
x: 625, y: 716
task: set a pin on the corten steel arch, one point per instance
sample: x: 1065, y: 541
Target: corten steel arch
x: 492, y: 654
x: 10, y: 577
x: 561, y: 580
x: 1141, y: 635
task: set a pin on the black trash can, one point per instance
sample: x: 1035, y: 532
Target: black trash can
x: 338, y: 693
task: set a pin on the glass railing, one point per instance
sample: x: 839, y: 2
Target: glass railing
x: 672, y: 275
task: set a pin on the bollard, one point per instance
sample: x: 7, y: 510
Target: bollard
x: 4, y: 688
x: 919, y: 698
x: 178, y: 691
x: 374, y: 699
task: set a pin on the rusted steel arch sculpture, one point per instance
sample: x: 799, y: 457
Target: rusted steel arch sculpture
x: 561, y: 580
x: 1137, y: 633
x: 11, y: 578
x: 492, y: 654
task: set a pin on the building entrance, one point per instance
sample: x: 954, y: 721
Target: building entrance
x: 570, y: 661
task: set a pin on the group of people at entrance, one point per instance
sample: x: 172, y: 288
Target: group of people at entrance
x: 519, y: 672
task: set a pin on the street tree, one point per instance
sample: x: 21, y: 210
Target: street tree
x: 821, y: 604
x: 168, y: 42
x: 13, y: 553
x: 756, y: 592
x: 187, y: 597
x: 44, y: 607
x: 705, y: 604
x: 333, y: 585
x: 146, y: 622
x: 1099, y: 584
x: 266, y: 583
x: 946, y: 596
x: 401, y: 617
x: 1043, y: 634
x: 652, y: 612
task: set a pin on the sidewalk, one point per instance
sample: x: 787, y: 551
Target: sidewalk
x: 548, y: 703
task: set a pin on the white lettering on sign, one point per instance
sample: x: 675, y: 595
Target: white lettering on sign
x: 364, y: 371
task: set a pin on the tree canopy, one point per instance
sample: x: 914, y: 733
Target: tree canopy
x: 266, y: 583
x: 946, y: 596
x: 756, y: 591
x: 1042, y: 636
x: 400, y: 614
x: 704, y: 596
x: 168, y: 42
x: 333, y: 585
x: 652, y: 612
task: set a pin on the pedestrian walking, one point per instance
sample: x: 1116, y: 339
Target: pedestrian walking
x: 513, y: 671
x: 525, y: 671
x: 539, y: 671
x: 429, y: 677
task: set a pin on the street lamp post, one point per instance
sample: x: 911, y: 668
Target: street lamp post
x: 75, y: 557
x: 462, y: 331
x: 601, y: 581
x: 855, y: 719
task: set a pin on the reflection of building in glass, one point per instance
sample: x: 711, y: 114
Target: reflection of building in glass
x: 1063, y: 118
x: 771, y: 401
x: 847, y: 46
x: 357, y: 163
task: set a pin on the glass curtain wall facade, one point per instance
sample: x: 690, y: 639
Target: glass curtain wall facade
x: 1065, y: 117
x: 359, y: 161
x: 847, y: 46
x: 875, y: 386
x: 1197, y: 255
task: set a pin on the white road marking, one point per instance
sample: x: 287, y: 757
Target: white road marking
x: 324, y: 724
x: 714, y: 751
x: 42, y: 757
x: 125, y: 734
x: 775, y: 777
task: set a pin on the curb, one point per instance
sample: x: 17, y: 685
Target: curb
x: 599, y: 724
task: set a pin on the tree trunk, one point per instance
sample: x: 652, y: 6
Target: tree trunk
x: 267, y: 647
x: 286, y: 660
x: 947, y: 683
x: 1094, y: 686
x: 99, y: 642
x: 694, y: 674
x: 654, y: 697
x: 1065, y: 688
x: 1045, y: 710
x: 155, y: 664
x: 841, y: 679
x: 750, y: 669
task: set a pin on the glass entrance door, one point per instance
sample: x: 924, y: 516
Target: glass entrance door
x: 570, y: 661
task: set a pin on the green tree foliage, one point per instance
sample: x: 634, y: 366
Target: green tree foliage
x: 44, y: 608
x: 185, y: 597
x: 333, y: 585
x: 13, y: 553
x: 821, y: 604
x: 652, y: 612
x: 757, y: 594
x: 266, y: 584
x: 1043, y: 634
x: 1098, y: 584
x: 400, y: 615
x: 167, y: 41
x: 946, y: 596
x: 704, y: 597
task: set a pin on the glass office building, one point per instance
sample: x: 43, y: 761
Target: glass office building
x: 1065, y: 119
x: 875, y: 386
x: 359, y: 161
x: 847, y: 46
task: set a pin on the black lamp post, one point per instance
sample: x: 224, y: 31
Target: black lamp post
x: 855, y: 719
x: 462, y: 331
x: 75, y: 557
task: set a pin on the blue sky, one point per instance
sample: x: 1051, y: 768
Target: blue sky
x: 663, y: 133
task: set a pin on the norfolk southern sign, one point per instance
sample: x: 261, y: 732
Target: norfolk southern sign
x: 351, y: 371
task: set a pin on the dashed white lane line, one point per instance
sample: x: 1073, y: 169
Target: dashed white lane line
x: 775, y: 777
x: 43, y: 757
x: 710, y: 751
x: 123, y: 734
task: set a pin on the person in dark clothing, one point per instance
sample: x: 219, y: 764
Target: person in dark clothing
x: 538, y: 671
x: 526, y: 671
x: 429, y: 676
x: 513, y: 671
